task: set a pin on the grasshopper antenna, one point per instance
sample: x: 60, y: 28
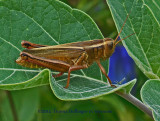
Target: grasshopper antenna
x: 124, y: 38
x: 122, y: 27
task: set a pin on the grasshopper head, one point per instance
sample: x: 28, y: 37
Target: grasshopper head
x: 110, y: 44
x: 109, y: 47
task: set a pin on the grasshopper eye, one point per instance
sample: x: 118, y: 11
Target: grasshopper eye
x: 110, y: 45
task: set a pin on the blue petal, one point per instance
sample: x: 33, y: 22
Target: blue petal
x: 122, y: 67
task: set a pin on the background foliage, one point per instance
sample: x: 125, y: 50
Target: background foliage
x: 43, y: 97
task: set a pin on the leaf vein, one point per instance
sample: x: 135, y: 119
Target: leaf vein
x: 10, y: 44
x: 7, y: 77
x: 40, y: 27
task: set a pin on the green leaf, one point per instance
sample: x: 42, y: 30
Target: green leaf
x: 25, y: 108
x: 39, y: 22
x: 150, y: 94
x: 144, y: 21
x: 48, y: 23
x: 86, y: 88
x: 41, y: 79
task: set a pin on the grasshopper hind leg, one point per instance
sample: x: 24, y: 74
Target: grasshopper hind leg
x: 58, y: 75
x: 73, y: 68
x: 77, y: 66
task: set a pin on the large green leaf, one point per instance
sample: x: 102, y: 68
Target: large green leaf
x: 25, y: 108
x: 144, y: 21
x: 82, y: 88
x: 48, y: 23
x: 40, y: 22
x: 150, y: 94
x: 40, y: 79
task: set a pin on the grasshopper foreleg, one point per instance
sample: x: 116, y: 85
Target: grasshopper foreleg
x: 104, y: 72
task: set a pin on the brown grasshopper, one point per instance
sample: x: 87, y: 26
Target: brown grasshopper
x: 68, y: 57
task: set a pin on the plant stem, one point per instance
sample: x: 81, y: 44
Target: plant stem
x: 136, y: 102
x: 12, y: 105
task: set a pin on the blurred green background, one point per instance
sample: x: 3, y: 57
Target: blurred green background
x: 33, y: 104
